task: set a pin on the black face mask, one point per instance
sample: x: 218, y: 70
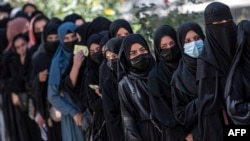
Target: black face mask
x: 170, y: 54
x: 51, y: 47
x: 141, y: 62
x: 70, y: 45
x: 38, y: 36
x: 97, y: 57
x: 112, y: 64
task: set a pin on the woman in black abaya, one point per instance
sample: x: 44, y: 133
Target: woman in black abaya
x: 120, y: 28
x: 184, y: 88
x: 167, y: 55
x: 110, y: 97
x: 212, y: 70
x: 40, y: 82
x: 136, y: 62
x: 94, y: 96
x: 18, y: 86
x: 237, y: 87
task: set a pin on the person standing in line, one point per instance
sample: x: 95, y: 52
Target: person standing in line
x: 136, y: 62
x: 110, y: 97
x: 184, y: 88
x: 167, y: 55
x: 71, y: 118
x: 213, y: 66
x: 40, y: 70
x: 237, y: 89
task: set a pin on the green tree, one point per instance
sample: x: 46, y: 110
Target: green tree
x: 89, y: 9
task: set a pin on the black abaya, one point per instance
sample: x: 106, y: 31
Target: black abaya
x: 237, y: 86
x: 184, y: 88
x: 138, y: 124
x: 160, y: 89
x: 213, y: 66
x: 110, y: 97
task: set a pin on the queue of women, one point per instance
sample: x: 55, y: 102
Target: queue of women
x: 115, y: 89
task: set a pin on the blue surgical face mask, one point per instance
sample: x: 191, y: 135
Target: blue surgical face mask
x: 193, y: 49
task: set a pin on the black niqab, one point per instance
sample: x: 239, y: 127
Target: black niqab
x: 219, y: 46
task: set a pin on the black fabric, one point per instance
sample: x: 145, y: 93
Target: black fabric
x: 134, y: 95
x: 110, y: 98
x: 38, y: 39
x: 4, y: 22
x: 217, y: 11
x: 18, y: 82
x: 213, y: 66
x: 41, y: 63
x: 95, y: 101
x: 124, y: 56
x: 39, y: 18
x: 82, y: 31
x: 171, y: 57
x: 236, y: 90
x: 187, y: 65
x: 184, y: 87
x: 21, y: 14
x: 219, y: 47
x: 116, y: 25
x: 160, y: 89
x: 72, y: 18
x: 97, y: 25
x: 3, y: 40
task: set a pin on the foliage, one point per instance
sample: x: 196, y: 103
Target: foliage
x: 144, y: 21
x: 89, y: 9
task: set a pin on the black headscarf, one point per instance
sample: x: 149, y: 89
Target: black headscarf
x: 104, y: 40
x: 114, y: 44
x: 219, y: 46
x: 97, y: 25
x: 72, y: 18
x: 163, y: 70
x: 160, y: 32
x: 92, y: 65
x: 82, y: 31
x: 184, y: 77
x: 116, y: 25
x: 50, y: 28
x: 39, y: 18
x: 240, y: 63
x: 124, y: 56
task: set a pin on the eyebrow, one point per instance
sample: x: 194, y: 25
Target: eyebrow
x: 142, y: 47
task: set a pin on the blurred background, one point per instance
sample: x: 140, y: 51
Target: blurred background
x: 144, y: 15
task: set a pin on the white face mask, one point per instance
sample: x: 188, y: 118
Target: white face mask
x: 193, y: 49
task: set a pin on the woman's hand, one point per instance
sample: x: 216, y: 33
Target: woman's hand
x: 97, y: 91
x: 15, y: 99
x: 78, y: 59
x: 189, y: 137
x: 78, y: 119
x: 43, y: 75
x: 39, y: 120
